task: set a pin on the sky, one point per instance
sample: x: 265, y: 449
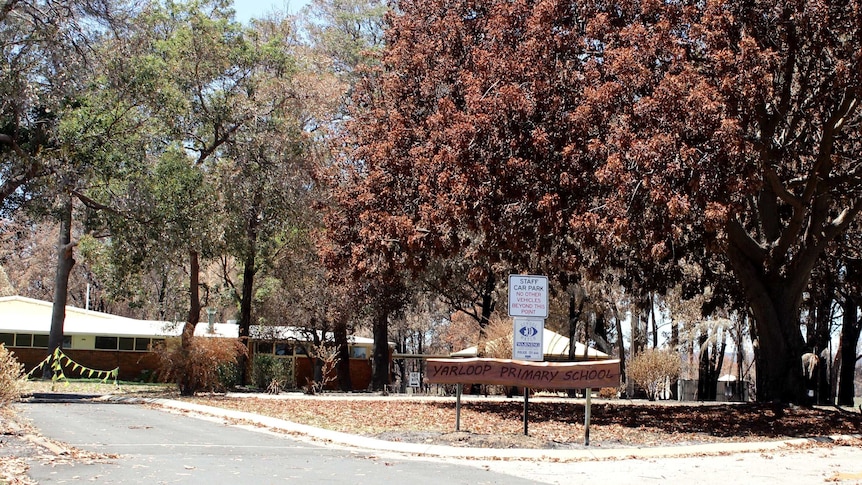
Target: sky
x: 248, y: 9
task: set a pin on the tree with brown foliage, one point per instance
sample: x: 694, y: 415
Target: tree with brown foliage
x: 590, y: 131
x: 738, y: 120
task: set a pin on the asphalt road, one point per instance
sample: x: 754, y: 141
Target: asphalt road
x: 160, y: 447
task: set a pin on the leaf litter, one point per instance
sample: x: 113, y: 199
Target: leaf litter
x: 553, y: 424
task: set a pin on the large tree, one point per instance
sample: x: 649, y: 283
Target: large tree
x: 442, y: 136
x: 595, y: 130
x: 43, y: 46
x: 193, y: 73
x: 349, y: 32
x: 738, y: 119
x: 266, y: 176
x: 47, y: 157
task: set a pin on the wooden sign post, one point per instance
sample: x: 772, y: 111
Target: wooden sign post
x: 529, y: 375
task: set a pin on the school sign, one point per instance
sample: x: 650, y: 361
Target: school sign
x: 533, y: 375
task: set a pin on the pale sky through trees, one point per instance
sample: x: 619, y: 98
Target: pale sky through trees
x: 248, y: 9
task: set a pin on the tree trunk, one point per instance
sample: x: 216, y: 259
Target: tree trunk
x: 740, y: 359
x: 653, y: 322
x: 621, y: 348
x: 488, y: 303
x: 65, y: 262
x: 705, y: 384
x: 401, y: 364
x: 674, y: 345
x: 717, y: 361
x: 380, y: 361
x: 851, y: 327
x: 600, y: 333
x: 774, y: 299
x: 187, y: 381
x: 245, y: 314
x: 779, y: 367
x: 343, y: 365
x: 162, y: 292
x: 575, y: 310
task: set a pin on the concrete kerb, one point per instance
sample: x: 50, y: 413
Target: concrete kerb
x: 362, y: 442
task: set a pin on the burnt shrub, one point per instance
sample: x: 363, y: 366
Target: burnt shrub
x: 200, y: 367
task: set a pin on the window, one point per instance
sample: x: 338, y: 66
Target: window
x: 24, y: 340
x: 127, y: 343
x: 264, y: 347
x: 142, y: 344
x: 40, y: 341
x: 106, y: 343
x: 358, y: 353
x: 282, y: 348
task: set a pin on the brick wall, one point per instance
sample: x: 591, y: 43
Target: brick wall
x: 132, y: 364
x: 360, y: 373
x: 135, y: 365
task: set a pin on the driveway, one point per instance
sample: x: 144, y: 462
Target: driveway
x: 155, y: 446
x: 159, y: 447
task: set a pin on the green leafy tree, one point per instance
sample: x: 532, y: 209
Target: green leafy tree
x: 350, y: 32
x: 193, y: 60
x: 48, y: 55
x: 45, y: 47
x: 266, y: 176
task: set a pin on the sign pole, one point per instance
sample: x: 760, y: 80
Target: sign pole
x: 587, y: 418
x: 526, y: 410
x: 458, y: 407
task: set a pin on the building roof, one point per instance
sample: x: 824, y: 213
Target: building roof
x: 20, y: 314
x: 299, y: 334
x: 553, y: 345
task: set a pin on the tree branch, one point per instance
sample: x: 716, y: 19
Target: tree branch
x: 740, y: 238
x: 92, y: 204
x: 8, y: 6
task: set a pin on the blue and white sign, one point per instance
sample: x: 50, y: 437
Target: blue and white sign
x: 527, y: 342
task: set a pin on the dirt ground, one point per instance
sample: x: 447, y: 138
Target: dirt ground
x: 553, y: 423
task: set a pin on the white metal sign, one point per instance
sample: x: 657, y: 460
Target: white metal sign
x: 414, y: 379
x: 528, y: 296
x: 527, y: 342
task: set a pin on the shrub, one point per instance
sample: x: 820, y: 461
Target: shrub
x: 271, y: 373
x: 228, y: 374
x: 652, y: 369
x: 325, y: 358
x: 609, y: 392
x: 11, y: 377
x: 199, y: 367
x: 498, y: 338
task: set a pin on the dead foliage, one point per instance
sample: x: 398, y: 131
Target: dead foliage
x: 197, y: 367
x: 11, y: 377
